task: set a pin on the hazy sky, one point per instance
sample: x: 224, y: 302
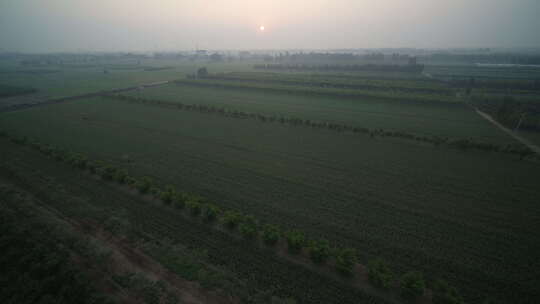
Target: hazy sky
x: 71, y: 25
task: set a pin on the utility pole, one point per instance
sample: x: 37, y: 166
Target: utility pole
x: 520, y: 120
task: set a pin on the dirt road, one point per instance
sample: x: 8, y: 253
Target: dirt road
x: 522, y: 140
x: 21, y: 106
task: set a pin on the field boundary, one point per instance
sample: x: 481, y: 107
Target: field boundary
x: 437, y: 141
x: 522, y: 140
x: 23, y: 106
x: 358, y: 278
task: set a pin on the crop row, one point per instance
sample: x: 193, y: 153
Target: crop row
x: 320, y: 252
x: 329, y: 82
x: 463, y: 144
x: 411, y: 68
x: 321, y: 91
x: 264, y: 272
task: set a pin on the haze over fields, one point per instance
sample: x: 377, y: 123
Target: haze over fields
x: 102, y: 25
x: 269, y: 152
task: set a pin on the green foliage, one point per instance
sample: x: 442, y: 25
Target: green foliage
x: 167, y: 195
x: 443, y: 293
x: 412, y: 285
x: 179, y: 200
x: 194, y: 207
x: 248, y: 227
x: 144, y: 184
x: 36, y: 261
x: 379, y: 273
x: 296, y: 240
x: 210, y: 212
x: 105, y: 171
x: 319, y: 251
x: 231, y: 219
x: 121, y: 176
x: 270, y: 234
x: 345, y: 261
x: 76, y: 160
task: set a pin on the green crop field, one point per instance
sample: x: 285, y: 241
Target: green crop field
x: 454, y: 214
x: 453, y: 120
x: 75, y: 79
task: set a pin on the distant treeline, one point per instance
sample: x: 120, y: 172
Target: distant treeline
x: 325, y: 83
x: 463, y: 144
x: 149, y: 69
x: 500, y: 84
x: 388, y: 94
x: 489, y: 58
x: 409, y: 68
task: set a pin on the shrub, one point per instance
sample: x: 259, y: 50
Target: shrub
x: 77, y: 160
x: 105, y: 171
x: 231, y: 219
x: 248, y: 227
x: 295, y: 241
x: 379, y: 273
x: 179, y: 200
x: 155, y: 191
x: 144, y: 184
x: 270, y: 234
x: 445, y: 294
x: 345, y: 261
x: 166, y: 196
x: 121, y: 176
x: 412, y: 285
x: 194, y: 207
x: 210, y: 212
x: 319, y: 251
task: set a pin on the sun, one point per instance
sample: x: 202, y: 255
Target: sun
x: 261, y: 28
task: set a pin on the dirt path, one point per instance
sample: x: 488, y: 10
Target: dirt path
x: 125, y: 258
x: 522, y: 140
x: 22, y: 106
x: 526, y: 142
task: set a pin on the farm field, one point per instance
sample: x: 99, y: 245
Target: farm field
x: 55, y: 81
x: 228, y: 261
x: 482, y: 72
x: 449, y: 213
x: 454, y: 120
x: 269, y: 152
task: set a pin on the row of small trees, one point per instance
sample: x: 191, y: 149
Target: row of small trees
x: 463, y: 144
x: 320, y: 252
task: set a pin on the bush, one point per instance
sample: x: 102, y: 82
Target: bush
x: 210, y: 212
x: 106, y: 172
x: 345, y: 261
x: 271, y: 234
x: 121, y: 176
x: 295, y: 241
x: 379, y: 273
x: 248, y: 227
x: 412, y: 285
x: 231, y: 219
x: 144, y: 184
x: 155, y: 191
x: 179, y: 200
x: 166, y: 196
x: 77, y: 160
x: 319, y: 251
x: 445, y: 294
x: 194, y: 207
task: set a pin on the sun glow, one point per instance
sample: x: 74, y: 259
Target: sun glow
x: 261, y: 28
